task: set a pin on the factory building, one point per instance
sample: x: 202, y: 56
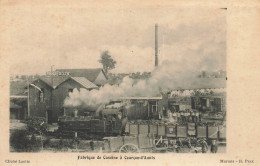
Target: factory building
x: 47, y: 94
x: 18, y: 100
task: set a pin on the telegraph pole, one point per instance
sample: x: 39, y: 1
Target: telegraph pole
x: 28, y: 97
x: 156, y: 45
x: 51, y: 92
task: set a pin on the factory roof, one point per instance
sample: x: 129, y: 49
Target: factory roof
x: 90, y: 74
x: 84, y: 82
x: 53, y: 81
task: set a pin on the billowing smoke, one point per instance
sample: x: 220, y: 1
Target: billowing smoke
x: 168, y: 76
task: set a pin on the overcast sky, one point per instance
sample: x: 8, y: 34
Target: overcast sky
x: 75, y: 38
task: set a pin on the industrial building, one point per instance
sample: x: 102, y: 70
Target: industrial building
x: 47, y: 94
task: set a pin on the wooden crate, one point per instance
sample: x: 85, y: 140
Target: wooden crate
x: 171, y: 131
x: 161, y: 130
x: 222, y: 132
x: 213, y: 132
x: 143, y: 129
x: 133, y: 129
x: 181, y: 131
x: 201, y: 131
x: 153, y: 129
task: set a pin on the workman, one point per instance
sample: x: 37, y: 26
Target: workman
x: 182, y: 116
x: 178, y: 116
x: 204, y: 146
x: 197, y: 116
x: 169, y: 113
x: 193, y: 116
x: 200, y: 116
x: 214, y: 146
x: 113, y: 121
x: 174, y: 115
x: 186, y: 114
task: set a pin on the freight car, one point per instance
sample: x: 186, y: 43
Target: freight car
x: 154, y: 136
x: 176, y: 130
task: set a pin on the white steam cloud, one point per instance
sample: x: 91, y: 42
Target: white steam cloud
x: 168, y: 76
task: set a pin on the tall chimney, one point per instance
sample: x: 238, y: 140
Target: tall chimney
x: 156, y: 45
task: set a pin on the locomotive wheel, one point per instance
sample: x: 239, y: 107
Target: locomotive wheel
x: 129, y: 148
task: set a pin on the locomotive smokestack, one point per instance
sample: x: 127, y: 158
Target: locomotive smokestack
x: 156, y: 45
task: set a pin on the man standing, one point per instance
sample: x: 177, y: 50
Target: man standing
x: 204, y: 146
x: 178, y: 116
x: 197, y: 116
x: 214, y: 146
x: 200, y: 116
x: 182, y: 116
x: 174, y: 115
x: 193, y: 116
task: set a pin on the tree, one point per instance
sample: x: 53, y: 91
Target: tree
x: 37, y: 125
x: 107, y: 61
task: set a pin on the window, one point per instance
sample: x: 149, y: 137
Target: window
x: 154, y: 106
x: 41, y: 95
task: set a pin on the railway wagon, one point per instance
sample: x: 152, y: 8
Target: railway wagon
x: 163, y: 138
x: 209, y: 132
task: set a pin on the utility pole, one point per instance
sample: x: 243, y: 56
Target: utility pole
x: 28, y: 97
x: 51, y: 90
x: 156, y: 45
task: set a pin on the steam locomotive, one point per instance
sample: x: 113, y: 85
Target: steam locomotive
x: 107, y: 120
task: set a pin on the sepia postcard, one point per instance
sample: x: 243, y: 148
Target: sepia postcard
x: 133, y: 83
